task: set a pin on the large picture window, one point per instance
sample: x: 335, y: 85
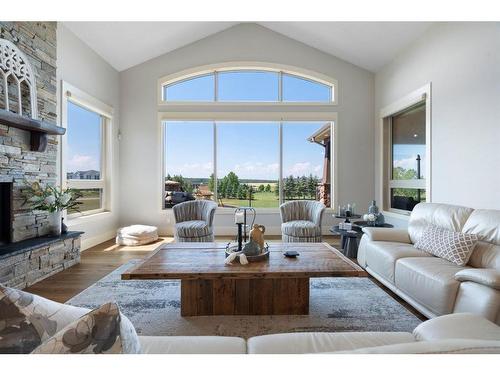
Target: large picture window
x: 247, y: 135
x: 84, y: 151
x: 257, y: 164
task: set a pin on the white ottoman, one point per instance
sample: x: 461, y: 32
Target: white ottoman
x: 135, y: 235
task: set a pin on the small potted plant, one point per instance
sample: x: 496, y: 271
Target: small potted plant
x: 52, y: 199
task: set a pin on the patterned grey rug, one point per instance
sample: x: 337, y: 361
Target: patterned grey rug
x: 336, y: 304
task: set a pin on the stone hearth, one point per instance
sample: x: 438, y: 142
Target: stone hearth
x: 24, y: 263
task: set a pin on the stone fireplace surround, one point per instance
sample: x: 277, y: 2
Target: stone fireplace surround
x: 30, y: 255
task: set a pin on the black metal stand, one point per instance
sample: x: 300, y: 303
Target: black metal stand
x: 240, y: 237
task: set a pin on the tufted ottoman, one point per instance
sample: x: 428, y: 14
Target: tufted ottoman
x: 135, y: 235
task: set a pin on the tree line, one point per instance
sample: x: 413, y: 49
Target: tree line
x: 300, y: 187
x: 230, y: 187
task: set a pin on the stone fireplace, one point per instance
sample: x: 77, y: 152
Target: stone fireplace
x: 27, y: 255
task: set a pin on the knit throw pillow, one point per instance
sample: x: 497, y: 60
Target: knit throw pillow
x: 455, y: 247
x: 101, y: 331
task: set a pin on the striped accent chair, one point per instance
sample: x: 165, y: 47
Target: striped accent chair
x: 301, y: 221
x: 194, y: 221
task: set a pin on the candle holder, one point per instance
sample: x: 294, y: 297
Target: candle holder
x: 241, y: 216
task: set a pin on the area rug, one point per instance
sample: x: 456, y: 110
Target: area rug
x: 336, y: 305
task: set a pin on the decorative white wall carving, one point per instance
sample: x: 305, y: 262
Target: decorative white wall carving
x: 13, y: 63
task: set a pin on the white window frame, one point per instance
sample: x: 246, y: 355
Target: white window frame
x: 421, y: 95
x: 259, y: 116
x: 72, y: 94
x: 247, y: 66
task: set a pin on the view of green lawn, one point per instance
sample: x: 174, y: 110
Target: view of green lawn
x: 91, y: 200
x: 261, y: 200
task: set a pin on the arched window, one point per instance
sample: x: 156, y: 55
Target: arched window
x: 248, y: 85
x: 247, y: 134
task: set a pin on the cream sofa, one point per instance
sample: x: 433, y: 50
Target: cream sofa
x: 454, y: 333
x: 433, y: 285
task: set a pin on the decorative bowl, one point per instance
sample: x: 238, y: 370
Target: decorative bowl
x: 232, y: 247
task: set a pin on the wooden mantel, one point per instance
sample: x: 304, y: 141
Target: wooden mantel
x: 39, y: 129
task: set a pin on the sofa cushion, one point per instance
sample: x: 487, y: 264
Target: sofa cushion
x: 101, y: 331
x: 486, y: 225
x: 300, y: 228
x: 442, y: 215
x: 319, y: 342
x: 453, y: 246
x: 448, y: 346
x: 478, y: 299
x: 381, y: 256
x: 387, y: 234
x: 27, y: 319
x: 430, y: 281
x: 193, y: 228
x: 192, y: 345
x: 457, y: 326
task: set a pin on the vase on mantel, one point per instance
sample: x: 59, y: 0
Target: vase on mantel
x: 55, y: 223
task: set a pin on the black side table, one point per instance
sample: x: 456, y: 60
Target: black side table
x: 348, y: 240
x: 363, y: 224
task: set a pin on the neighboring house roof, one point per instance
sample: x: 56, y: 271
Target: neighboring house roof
x: 321, y: 134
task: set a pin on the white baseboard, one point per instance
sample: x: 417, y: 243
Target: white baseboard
x: 96, y: 240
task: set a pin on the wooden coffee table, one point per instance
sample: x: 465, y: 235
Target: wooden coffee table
x: 279, y: 286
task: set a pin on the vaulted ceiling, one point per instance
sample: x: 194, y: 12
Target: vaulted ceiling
x: 369, y: 45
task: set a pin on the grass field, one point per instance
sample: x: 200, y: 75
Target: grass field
x: 91, y: 200
x: 261, y: 200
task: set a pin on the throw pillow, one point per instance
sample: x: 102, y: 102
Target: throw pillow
x: 453, y: 246
x: 26, y: 320
x: 101, y: 331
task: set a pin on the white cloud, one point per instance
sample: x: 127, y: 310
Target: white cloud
x: 192, y: 169
x: 304, y: 168
x: 81, y: 163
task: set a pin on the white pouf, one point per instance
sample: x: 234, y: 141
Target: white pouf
x: 135, y: 235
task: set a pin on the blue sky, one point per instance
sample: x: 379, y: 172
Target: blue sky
x: 248, y: 86
x: 84, y: 139
x: 251, y: 150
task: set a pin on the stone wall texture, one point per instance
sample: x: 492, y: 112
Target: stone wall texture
x: 37, y: 40
x: 25, y: 269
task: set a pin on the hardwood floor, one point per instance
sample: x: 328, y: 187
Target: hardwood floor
x: 102, y: 259
x: 96, y: 263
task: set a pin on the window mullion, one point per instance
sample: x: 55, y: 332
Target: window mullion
x: 216, y: 197
x: 280, y: 87
x: 280, y: 180
x: 216, y: 86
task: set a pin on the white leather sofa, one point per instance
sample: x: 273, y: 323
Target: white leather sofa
x: 432, y: 285
x: 455, y: 333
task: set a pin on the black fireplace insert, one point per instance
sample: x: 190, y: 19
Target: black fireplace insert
x: 5, y: 212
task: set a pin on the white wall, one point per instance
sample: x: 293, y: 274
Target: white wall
x: 140, y: 161
x: 78, y: 65
x: 462, y: 61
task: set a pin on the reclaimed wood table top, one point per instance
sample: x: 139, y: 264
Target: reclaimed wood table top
x: 191, y: 260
